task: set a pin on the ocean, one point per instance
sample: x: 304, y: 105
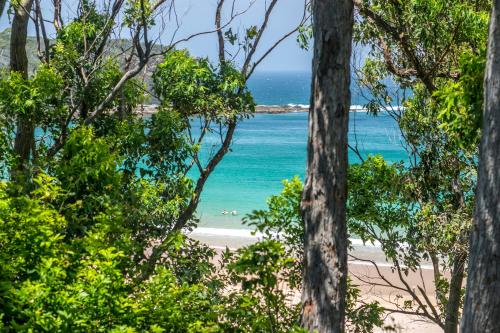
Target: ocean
x: 269, y: 148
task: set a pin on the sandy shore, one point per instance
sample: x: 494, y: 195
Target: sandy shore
x: 363, y: 274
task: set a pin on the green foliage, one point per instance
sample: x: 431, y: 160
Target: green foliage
x: 428, y: 57
x: 59, y: 282
x: 68, y: 260
x: 263, y: 300
x: 304, y: 37
x: 26, y: 98
x: 168, y: 145
x: 231, y: 37
x: 136, y: 12
x: 23, y: 96
x: 66, y: 89
x: 417, y: 41
x: 89, y: 176
x: 77, y: 241
x: 380, y: 209
x: 174, y: 307
x: 91, y: 294
x: 361, y: 318
x: 435, y: 26
x: 44, y: 288
x: 88, y: 74
x: 74, y: 249
x: 193, y: 87
x: 282, y: 221
x: 384, y: 208
x: 37, y: 99
x: 462, y: 101
x: 29, y: 231
x: 282, y: 230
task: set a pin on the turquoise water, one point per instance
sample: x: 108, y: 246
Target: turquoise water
x: 271, y: 147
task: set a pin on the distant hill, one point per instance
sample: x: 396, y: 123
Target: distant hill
x: 116, y: 47
x: 31, y: 49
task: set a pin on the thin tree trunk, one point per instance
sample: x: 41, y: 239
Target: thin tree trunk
x: 57, y: 14
x: 454, y: 296
x: 482, y: 303
x: 2, y: 6
x: 454, y: 304
x: 19, y: 63
x: 189, y: 211
x: 325, y: 192
x: 18, y: 57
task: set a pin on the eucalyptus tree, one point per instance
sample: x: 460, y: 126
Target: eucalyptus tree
x: 229, y: 115
x: 89, y: 78
x: 482, y: 306
x: 2, y: 6
x: 93, y: 242
x: 325, y: 191
x: 215, y: 95
x: 25, y: 132
x: 432, y: 53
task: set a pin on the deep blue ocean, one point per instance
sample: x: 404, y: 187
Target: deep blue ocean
x: 271, y: 147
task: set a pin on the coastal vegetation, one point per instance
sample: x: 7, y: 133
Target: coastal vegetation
x: 434, y: 54
x: 97, y: 201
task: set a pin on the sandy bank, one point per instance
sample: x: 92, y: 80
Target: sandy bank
x: 363, y: 274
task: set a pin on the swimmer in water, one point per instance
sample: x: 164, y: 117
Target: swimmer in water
x: 224, y: 212
x: 234, y: 212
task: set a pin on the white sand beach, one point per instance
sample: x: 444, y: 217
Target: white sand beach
x: 361, y: 272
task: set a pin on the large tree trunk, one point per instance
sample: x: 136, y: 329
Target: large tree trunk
x: 482, y: 303
x: 19, y: 63
x: 2, y: 6
x: 325, y: 191
x: 18, y: 57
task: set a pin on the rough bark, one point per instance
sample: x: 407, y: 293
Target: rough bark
x: 2, y: 6
x: 455, y: 294
x: 482, y: 303
x: 18, y: 57
x: 454, y: 304
x: 325, y: 192
x: 19, y: 63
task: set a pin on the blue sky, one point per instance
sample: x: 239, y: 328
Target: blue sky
x: 198, y: 15
x: 287, y: 57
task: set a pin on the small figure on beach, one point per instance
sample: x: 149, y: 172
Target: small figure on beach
x: 234, y: 212
x: 224, y: 212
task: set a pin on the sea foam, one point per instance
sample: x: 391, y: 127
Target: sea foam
x: 250, y: 234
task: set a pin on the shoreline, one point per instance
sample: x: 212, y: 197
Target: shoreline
x: 150, y: 109
x: 294, y: 108
x: 364, y: 275
x: 233, y: 239
x: 362, y: 271
x: 251, y: 235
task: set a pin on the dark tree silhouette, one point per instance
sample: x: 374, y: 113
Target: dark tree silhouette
x: 482, y: 302
x: 325, y: 191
